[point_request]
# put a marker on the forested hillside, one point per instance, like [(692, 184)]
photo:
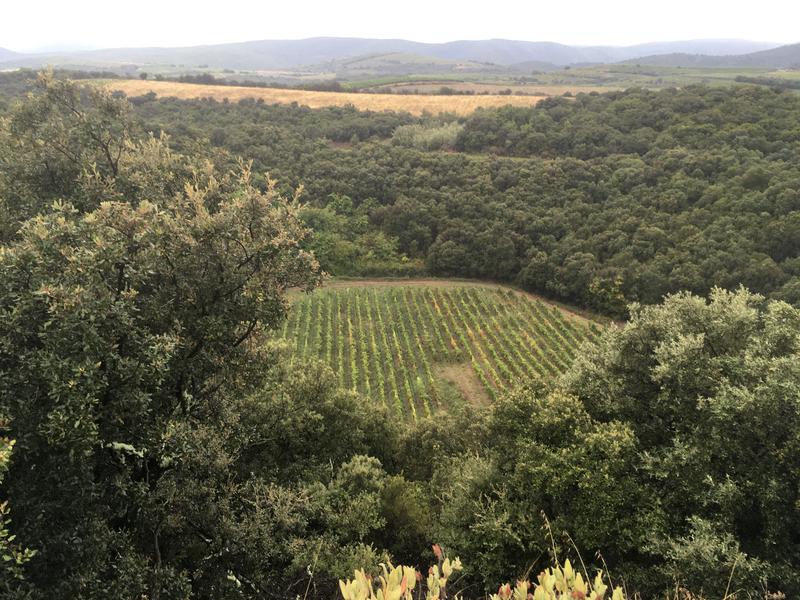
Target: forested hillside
[(168, 430), (783, 57), (597, 200)]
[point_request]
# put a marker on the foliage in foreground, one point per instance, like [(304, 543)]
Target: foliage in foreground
[(13, 557), (399, 583), (671, 447), (163, 449)]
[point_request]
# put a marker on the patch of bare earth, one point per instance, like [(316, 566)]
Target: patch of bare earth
[(463, 377)]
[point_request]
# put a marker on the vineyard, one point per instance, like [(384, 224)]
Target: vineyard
[(400, 343)]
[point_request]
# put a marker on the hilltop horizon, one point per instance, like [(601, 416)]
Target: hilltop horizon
[(66, 46), (322, 53)]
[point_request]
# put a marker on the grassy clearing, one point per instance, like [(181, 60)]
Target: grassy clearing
[(416, 104), (400, 344)]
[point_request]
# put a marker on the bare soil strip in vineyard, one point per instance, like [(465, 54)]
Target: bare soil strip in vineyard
[(402, 342), (415, 104), (464, 379)]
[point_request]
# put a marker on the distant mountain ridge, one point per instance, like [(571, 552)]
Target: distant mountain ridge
[(6, 54), (295, 54), (783, 57)]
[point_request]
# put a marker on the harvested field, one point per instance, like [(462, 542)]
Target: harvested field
[(413, 103)]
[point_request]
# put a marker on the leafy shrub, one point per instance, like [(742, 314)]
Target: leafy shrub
[(559, 583), (13, 557), (399, 583)]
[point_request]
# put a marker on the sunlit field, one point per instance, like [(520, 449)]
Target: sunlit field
[(416, 104)]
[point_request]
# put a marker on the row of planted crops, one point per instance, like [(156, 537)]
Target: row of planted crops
[(387, 342)]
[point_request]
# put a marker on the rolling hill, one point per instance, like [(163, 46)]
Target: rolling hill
[(6, 54), (783, 57), (293, 54)]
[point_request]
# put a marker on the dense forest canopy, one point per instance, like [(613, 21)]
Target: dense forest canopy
[(596, 200), (164, 447)]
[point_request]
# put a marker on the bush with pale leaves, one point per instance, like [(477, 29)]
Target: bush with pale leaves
[(559, 583), (398, 583)]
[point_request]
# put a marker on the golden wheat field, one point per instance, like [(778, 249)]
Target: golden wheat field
[(415, 104)]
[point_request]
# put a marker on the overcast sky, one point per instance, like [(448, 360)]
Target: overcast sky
[(31, 25)]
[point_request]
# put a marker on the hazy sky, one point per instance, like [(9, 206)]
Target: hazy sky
[(36, 24)]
